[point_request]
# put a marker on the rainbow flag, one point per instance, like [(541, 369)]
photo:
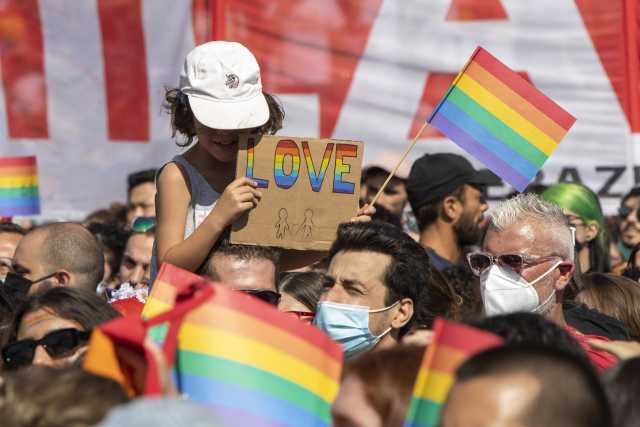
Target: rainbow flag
[(501, 119), (248, 361), (19, 186), (452, 344)]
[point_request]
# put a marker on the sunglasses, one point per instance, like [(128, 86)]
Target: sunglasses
[(142, 224), (270, 297), (57, 344), (480, 261), (624, 211)]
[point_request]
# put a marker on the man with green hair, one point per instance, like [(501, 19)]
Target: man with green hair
[(629, 227)]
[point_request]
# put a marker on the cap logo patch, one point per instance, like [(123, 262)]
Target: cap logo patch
[(232, 81)]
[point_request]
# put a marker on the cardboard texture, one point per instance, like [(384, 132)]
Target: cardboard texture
[(308, 186)]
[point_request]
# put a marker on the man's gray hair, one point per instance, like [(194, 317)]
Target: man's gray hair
[(528, 206)]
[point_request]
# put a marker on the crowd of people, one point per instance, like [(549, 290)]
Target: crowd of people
[(545, 270)]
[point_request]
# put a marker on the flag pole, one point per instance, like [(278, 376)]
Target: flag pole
[(404, 155)]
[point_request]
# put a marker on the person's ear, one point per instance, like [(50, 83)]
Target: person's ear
[(62, 277), (451, 209), (566, 272), (591, 231), (404, 313)]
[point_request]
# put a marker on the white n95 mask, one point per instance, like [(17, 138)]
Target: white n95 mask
[(505, 291)]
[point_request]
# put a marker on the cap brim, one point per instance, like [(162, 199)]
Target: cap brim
[(230, 115), (485, 177)]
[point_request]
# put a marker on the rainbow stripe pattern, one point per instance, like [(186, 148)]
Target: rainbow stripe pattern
[(452, 344), (501, 119), (19, 193), (251, 159), (317, 178), (246, 360), (286, 147), (341, 168)]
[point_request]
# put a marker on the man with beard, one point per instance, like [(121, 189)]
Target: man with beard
[(629, 225), (56, 254), (445, 193)]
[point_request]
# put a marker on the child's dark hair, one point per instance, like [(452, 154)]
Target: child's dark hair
[(176, 103)]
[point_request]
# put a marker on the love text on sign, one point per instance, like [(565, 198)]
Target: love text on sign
[(308, 186)]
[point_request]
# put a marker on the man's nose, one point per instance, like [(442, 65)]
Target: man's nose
[(41, 357), (137, 274)]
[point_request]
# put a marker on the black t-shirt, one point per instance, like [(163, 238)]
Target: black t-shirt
[(592, 322)]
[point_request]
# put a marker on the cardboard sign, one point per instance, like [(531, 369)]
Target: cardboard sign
[(308, 186)]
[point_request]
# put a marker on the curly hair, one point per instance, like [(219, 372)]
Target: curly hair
[(176, 103)]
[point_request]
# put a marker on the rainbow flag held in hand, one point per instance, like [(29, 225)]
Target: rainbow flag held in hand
[(19, 194), (246, 360), (452, 344), (501, 119)]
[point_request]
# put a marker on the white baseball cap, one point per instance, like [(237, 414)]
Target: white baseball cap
[(222, 81)]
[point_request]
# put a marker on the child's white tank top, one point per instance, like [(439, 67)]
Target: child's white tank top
[(203, 199)]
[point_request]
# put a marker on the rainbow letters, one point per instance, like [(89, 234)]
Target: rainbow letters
[(309, 186), (286, 177)]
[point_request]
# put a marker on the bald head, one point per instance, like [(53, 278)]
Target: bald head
[(65, 248), (526, 386)]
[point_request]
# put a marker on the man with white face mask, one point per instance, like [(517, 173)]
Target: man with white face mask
[(376, 276), (527, 261)]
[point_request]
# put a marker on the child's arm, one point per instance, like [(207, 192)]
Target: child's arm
[(173, 202)]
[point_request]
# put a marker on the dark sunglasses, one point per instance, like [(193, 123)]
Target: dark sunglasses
[(624, 211), (480, 261), (58, 344), (142, 224), (270, 297)]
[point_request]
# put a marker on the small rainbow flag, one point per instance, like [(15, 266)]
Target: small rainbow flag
[(248, 361), (19, 186), (501, 119), (452, 344)]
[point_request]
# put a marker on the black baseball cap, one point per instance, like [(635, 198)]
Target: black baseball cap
[(433, 176)]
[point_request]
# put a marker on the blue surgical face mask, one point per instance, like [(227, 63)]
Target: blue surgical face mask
[(348, 325)]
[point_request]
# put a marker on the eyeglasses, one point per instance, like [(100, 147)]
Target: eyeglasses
[(57, 344), (480, 261), (575, 221), (142, 224), (270, 297), (623, 212), (303, 316)]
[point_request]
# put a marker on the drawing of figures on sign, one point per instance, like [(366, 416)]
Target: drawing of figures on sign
[(282, 226), (307, 225)]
